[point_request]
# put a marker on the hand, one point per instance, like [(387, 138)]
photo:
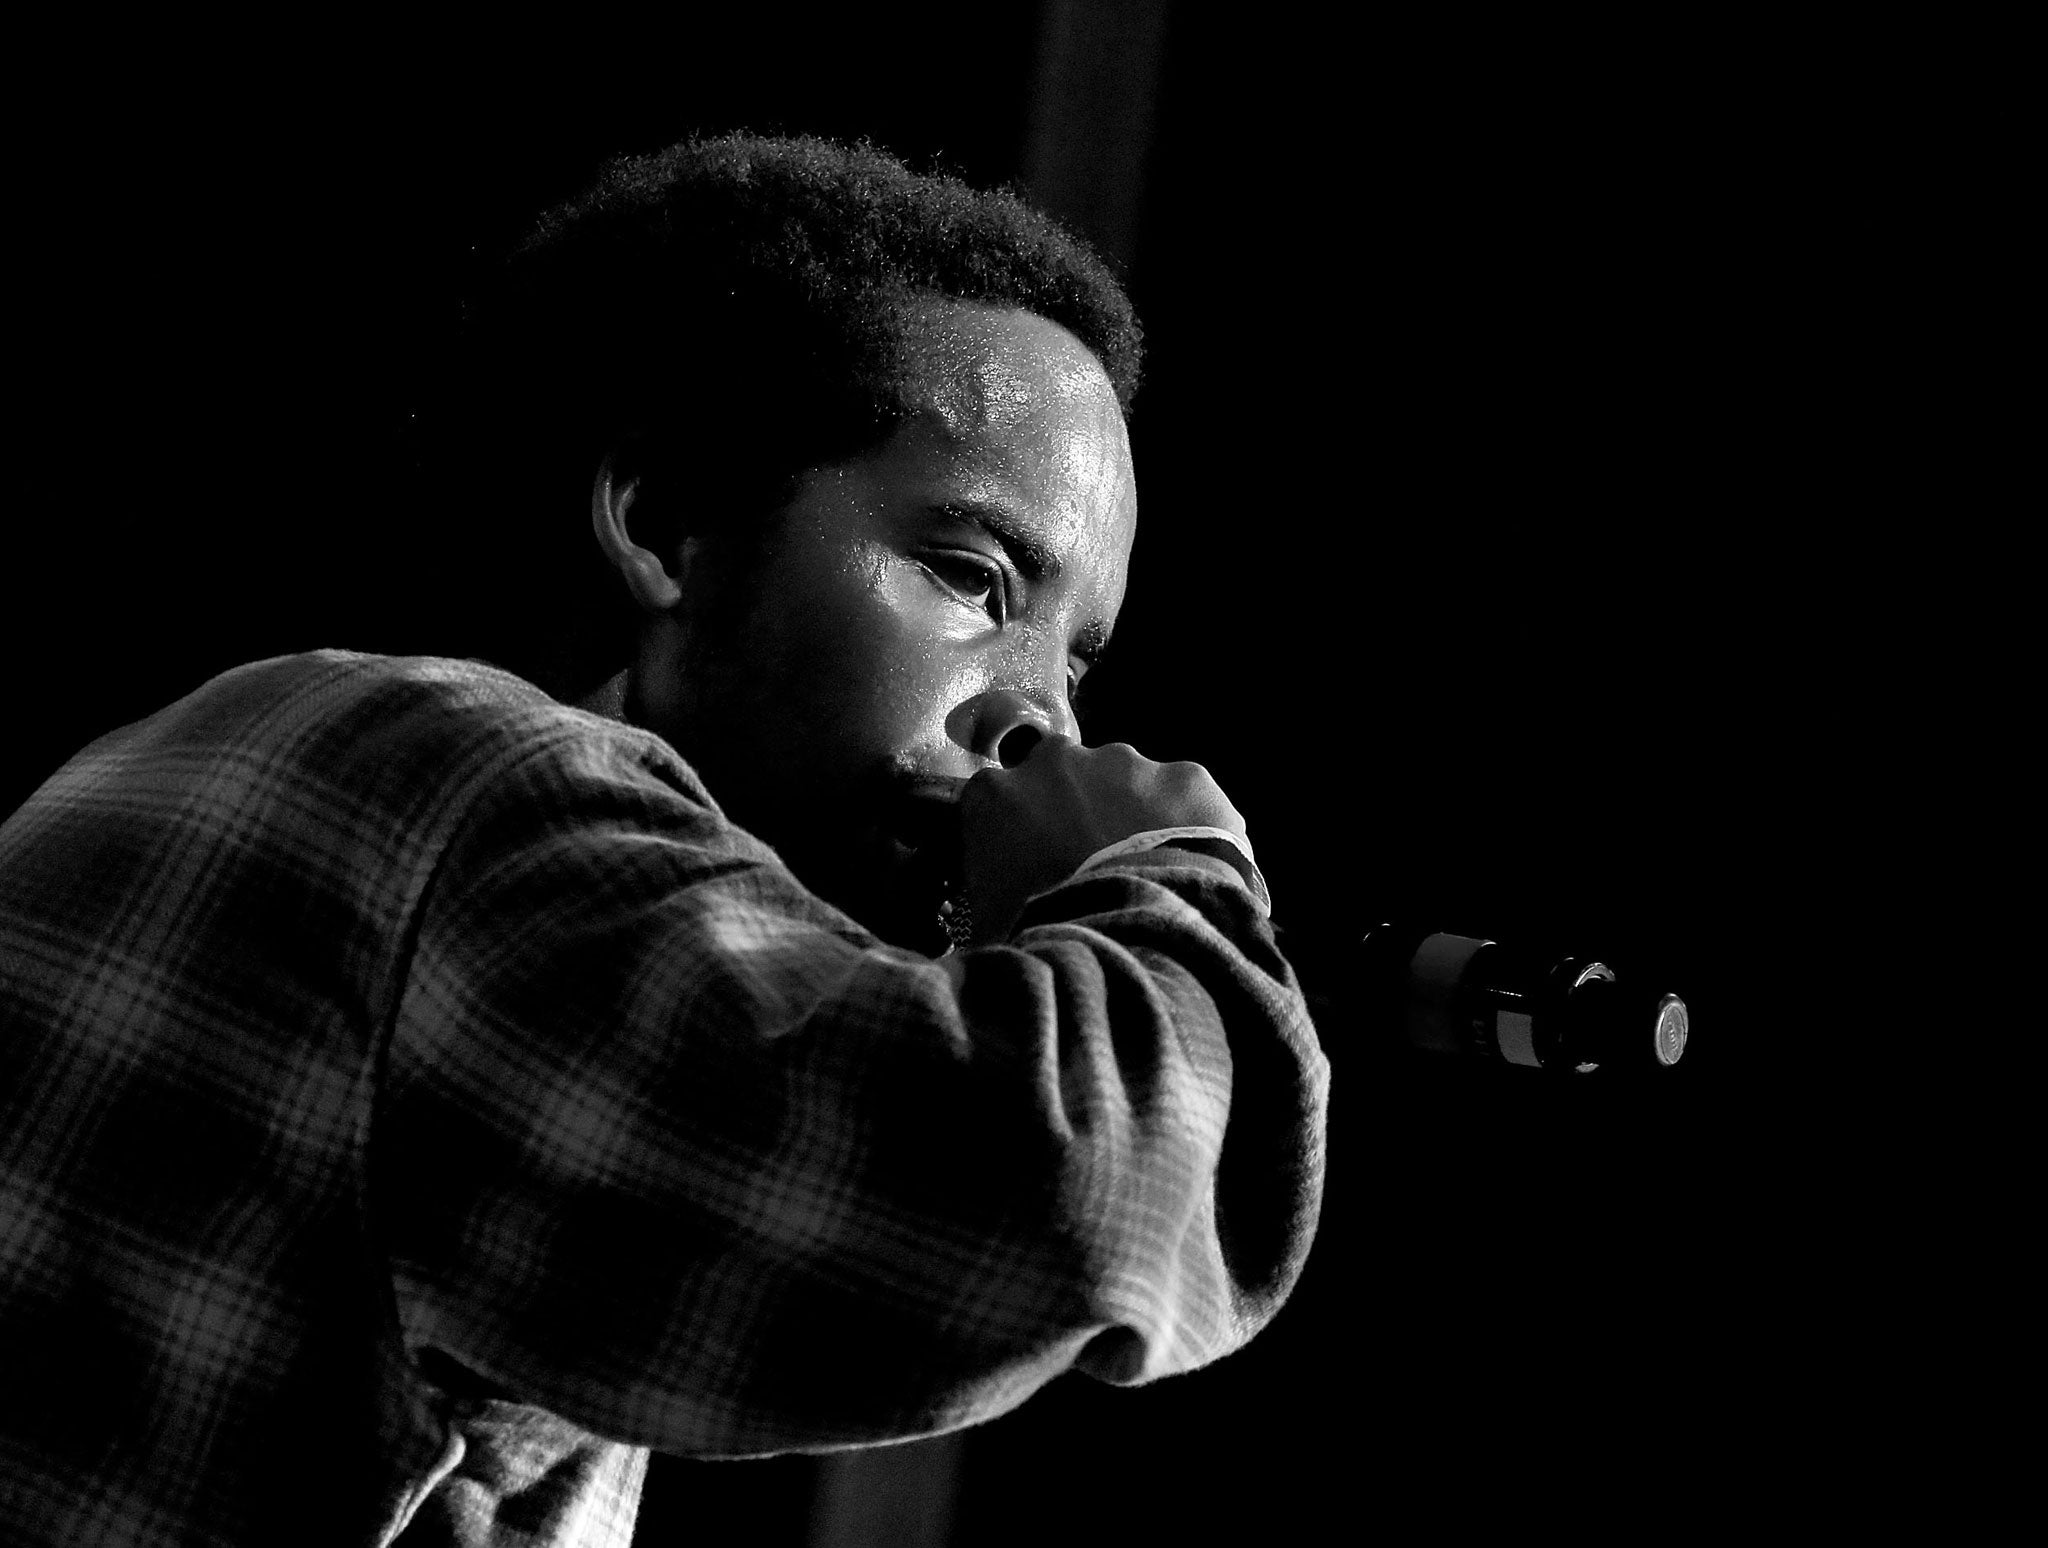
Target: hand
[(1026, 827)]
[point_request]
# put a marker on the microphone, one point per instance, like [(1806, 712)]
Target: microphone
[(1481, 999)]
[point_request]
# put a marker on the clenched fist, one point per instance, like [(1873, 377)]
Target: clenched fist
[(1026, 827)]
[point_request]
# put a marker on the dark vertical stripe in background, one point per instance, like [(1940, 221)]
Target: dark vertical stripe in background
[(1093, 110)]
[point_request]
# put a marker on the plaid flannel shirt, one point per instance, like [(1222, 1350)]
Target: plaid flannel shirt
[(416, 1100)]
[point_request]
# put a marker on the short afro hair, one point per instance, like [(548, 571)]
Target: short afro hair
[(737, 307)]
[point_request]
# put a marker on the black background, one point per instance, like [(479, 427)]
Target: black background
[(1494, 397)]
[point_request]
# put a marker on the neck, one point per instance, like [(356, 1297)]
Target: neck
[(608, 699)]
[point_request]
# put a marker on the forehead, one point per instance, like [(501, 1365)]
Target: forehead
[(985, 368), (1012, 407)]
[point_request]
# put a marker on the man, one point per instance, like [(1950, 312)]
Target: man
[(423, 1093)]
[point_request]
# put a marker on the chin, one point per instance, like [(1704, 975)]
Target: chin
[(896, 923), (909, 912), (929, 938), (893, 894)]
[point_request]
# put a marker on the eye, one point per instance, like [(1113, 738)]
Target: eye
[(973, 578)]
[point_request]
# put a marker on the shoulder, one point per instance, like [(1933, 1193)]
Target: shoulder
[(338, 736), (337, 709), (432, 728), (320, 686)]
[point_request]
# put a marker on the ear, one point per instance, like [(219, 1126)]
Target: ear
[(612, 495)]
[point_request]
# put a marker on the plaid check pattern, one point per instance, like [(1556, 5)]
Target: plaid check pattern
[(416, 1100)]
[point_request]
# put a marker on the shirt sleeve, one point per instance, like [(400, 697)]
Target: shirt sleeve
[(674, 1149), (1232, 848)]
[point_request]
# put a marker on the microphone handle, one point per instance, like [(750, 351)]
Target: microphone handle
[(1470, 997)]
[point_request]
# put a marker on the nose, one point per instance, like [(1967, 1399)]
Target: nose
[(1001, 725)]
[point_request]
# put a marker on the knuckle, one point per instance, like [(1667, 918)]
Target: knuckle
[(983, 788), (1059, 747)]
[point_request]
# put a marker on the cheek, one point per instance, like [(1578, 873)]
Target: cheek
[(881, 663)]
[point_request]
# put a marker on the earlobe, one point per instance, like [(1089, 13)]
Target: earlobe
[(646, 577)]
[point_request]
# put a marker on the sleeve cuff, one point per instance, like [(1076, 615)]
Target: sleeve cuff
[(1202, 838)]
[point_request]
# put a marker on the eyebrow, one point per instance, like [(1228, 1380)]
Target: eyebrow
[(1027, 551), (1034, 559)]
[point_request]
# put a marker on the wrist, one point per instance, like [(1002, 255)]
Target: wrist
[(1152, 838)]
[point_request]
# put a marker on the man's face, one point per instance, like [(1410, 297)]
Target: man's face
[(836, 678)]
